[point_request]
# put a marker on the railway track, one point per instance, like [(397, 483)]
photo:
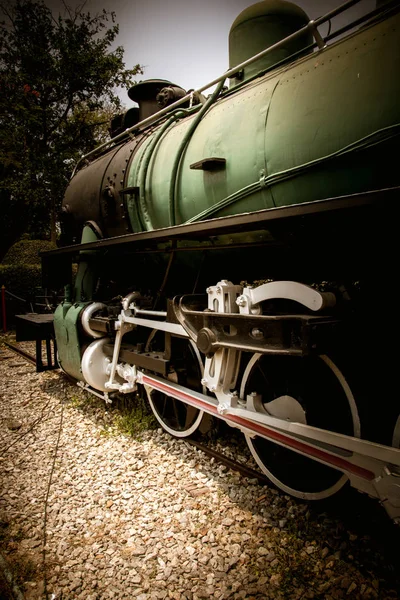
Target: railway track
[(348, 511), (218, 456), (29, 357), (230, 463), (349, 506)]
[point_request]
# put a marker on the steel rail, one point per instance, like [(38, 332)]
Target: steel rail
[(21, 352), (229, 462)]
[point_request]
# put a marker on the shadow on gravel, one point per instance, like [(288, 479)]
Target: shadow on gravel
[(354, 528), (5, 593), (358, 532), (377, 546)]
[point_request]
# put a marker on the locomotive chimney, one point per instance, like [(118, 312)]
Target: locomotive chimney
[(154, 94)]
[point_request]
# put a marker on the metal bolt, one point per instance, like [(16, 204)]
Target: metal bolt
[(257, 333), (204, 381), (241, 300)]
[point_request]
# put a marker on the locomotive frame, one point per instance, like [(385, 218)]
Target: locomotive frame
[(234, 351)]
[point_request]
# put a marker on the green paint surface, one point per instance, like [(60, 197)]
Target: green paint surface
[(66, 320), (344, 98)]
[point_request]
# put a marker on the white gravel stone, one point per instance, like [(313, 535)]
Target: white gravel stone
[(124, 519)]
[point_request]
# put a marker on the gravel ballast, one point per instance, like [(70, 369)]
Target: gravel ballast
[(90, 513)]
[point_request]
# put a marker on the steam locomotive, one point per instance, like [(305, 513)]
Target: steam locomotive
[(236, 252)]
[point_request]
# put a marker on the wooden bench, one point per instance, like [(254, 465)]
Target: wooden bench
[(34, 327)]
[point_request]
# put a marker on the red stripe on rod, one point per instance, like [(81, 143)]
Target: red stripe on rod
[(181, 395), (263, 430), (310, 450)]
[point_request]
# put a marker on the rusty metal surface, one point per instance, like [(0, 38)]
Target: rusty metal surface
[(21, 352), (232, 464)]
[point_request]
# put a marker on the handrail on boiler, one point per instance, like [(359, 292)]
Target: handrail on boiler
[(311, 26)]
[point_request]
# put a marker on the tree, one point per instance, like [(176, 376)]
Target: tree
[(58, 78)]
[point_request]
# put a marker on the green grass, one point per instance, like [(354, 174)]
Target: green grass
[(129, 414), (133, 415)]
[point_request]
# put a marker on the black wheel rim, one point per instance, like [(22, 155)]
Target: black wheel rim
[(175, 416), (319, 387)]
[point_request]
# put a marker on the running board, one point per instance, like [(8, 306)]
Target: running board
[(371, 468)]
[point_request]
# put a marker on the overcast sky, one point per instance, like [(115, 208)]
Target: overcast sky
[(185, 41)]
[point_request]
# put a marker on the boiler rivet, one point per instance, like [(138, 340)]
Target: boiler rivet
[(257, 333)]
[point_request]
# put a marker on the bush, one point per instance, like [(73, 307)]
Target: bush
[(26, 252), (20, 270), (22, 280)]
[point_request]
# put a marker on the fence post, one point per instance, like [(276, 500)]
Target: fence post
[(3, 307)]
